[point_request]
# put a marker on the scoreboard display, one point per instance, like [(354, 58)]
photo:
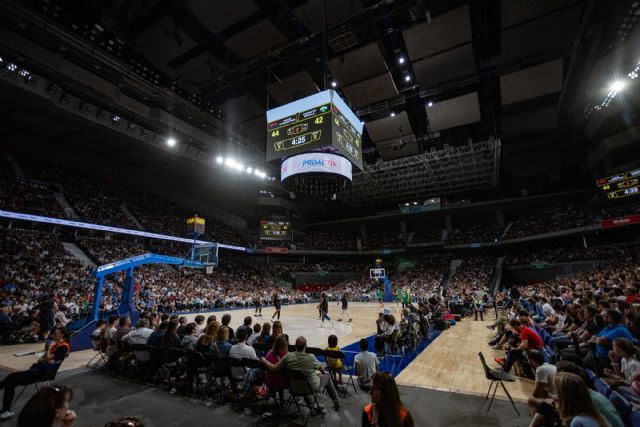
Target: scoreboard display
[(275, 230), (320, 122), (621, 186)]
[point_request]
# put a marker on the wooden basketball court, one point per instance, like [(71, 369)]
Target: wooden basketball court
[(449, 363)]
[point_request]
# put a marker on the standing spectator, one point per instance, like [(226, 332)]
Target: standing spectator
[(48, 407), (386, 408), (574, 403), (366, 364)]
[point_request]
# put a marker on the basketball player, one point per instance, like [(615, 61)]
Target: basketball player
[(257, 301), (277, 304), (324, 309), (345, 306), (380, 292)]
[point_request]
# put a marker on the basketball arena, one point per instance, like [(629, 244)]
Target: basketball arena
[(386, 213)]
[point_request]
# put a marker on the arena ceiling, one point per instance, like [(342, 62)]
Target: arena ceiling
[(419, 73)]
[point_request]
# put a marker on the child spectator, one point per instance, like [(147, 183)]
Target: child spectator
[(335, 365)]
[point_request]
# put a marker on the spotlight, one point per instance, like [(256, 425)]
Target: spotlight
[(407, 78), (249, 170), (617, 85), (415, 203), (219, 160), (401, 60), (430, 104), (334, 83), (256, 172), (393, 114), (171, 142), (406, 204), (115, 119)]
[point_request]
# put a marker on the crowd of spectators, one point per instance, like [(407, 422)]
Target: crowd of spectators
[(430, 235), (576, 337), (473, 273), (474, 233), (28, 197), (555, 218), (383, 239), (330, 241)]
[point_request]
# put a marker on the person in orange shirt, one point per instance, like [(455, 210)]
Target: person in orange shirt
[(386, 408)]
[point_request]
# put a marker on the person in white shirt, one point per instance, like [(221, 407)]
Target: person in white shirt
[(200, 325), (366, 364), (544, 387), (139, 335), (242, 351), (626, 367)]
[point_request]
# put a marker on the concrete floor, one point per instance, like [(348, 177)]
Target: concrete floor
[(100, 398)]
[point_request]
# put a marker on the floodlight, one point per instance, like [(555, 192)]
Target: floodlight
[(219, 160), (617, 85), (401, 60), (393, 114), (407, 78), (430, 104), (334, 83), (249, 170), (171, 142)]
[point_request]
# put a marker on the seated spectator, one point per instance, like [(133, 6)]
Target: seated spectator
[(139, 335), (223, 346), (335, 365), (599, 400), (124, 327), (170, 340), (44, 369), (277, 382), (61, 316), (529, 340), (226, 319), (599, 360), (241, 350), (155, 339), (97, 335), (127, 422), (246, 325), (110, 335), (574, 403), (182, 323), (255, 335), (626, 368), (308, 365), (386, 408), (265, 335), (207, 341), (276, 329), (543, 389), (189, 339), (200, 326), (48, 407), (366, 364)]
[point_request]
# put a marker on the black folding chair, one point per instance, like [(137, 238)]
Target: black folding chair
[(45, 380), (100, 359), (346, 369), (299, 387), (497, 377)]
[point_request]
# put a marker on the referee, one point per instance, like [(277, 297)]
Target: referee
[(345, 306)]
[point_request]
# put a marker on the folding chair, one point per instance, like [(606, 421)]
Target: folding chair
[(497, 377), (346, 369), (217, 373), (299, 386), (99, 359), (46, 380)]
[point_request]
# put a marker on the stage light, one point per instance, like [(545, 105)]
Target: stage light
[(406, 204), (229, 162), (334, 83), (256, 172), (415, 203), (617, 85), (171, 142), (249, 170), (393, 114), (407, 78), (401, 60), (219, 160), (430, 104)]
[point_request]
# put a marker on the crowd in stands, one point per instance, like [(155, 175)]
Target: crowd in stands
[(576, 338), (474, 233), (557, 255), (29, 197), (430, 235), (329, 241), (383, 239), (556, 218), (473, 273)]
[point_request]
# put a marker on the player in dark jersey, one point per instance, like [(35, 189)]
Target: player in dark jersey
[(257, 301), (345, 306), (277, 304)]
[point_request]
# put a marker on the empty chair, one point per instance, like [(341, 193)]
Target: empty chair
[(497, 378)]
